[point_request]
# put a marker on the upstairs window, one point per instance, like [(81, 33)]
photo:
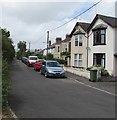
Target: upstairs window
[(79, 40), (99, 37)]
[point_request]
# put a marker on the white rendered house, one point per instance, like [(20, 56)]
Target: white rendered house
[(102, 43)]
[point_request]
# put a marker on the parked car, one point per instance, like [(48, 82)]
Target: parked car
[(24, 60), (38, 64), (52, 69), (32, 60)]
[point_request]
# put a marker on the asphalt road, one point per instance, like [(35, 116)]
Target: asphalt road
[(34, 96)]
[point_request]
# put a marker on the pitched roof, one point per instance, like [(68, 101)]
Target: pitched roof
[(84, 26), (52, 46), (112, 21), (66, 40)]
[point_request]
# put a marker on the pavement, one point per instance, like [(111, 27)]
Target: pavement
[(34, 96)]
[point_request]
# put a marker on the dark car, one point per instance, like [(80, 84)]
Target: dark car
[(52, 69), (24, 60)]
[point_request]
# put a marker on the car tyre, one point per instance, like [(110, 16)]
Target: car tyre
[(40, 72), (46, 75)]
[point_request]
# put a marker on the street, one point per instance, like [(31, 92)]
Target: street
[(34, 96)]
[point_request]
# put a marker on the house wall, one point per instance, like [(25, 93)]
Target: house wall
[(56, 53), (44, 52), (79, 49), (64, 45), (108, 48), (115, 49)]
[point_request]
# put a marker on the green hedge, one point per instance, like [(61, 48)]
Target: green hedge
[(61, 61), (5, 83)]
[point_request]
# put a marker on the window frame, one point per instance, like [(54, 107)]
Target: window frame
[(97, 57), (78, 41), (78, 60), (97, 40)]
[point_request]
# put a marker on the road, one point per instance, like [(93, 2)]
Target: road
[(34, 96)]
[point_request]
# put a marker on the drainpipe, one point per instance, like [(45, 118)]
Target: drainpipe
[(87, 50)]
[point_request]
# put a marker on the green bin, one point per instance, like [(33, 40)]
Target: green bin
[(93, 75)]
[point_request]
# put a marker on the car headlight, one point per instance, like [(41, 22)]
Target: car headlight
[(63, 71), (50, 71)]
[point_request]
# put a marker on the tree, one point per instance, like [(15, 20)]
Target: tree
[(8, 51), (22, 49)]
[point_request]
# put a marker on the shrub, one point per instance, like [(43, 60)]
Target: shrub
[(104, 72), (5, 83), (61, 61)]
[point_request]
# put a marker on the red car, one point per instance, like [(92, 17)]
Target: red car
[(37, 65)]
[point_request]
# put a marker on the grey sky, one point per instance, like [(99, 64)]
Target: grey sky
[(29, 21)]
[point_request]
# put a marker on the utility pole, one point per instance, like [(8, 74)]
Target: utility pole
[(29, 49), (47, 43)]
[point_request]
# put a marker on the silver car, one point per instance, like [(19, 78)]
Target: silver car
[(52, 69)]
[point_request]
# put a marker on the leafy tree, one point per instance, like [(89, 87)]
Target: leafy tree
[(50, 56), (8, 51), (22, 49)]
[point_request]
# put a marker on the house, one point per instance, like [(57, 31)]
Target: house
[(102, 43), (51, 48), (62, 48), (79, 45), (65, 51), (58, 48)]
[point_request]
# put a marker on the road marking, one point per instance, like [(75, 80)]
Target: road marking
[(92, 87)]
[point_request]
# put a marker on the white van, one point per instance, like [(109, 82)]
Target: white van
[(32, 60)]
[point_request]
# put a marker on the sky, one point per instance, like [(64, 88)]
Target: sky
[(29, 20)]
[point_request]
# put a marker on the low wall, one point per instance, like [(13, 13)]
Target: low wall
[(80, 72)]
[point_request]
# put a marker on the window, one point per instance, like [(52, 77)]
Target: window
[(78, 60), (99, 37), (79, 40), (99, 59)]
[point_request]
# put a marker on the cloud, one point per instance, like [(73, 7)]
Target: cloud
[(30, 21)]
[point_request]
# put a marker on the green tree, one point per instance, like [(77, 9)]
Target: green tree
[(22, 49), (50, 56), (8, 51)]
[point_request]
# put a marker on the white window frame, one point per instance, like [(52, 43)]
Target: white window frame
[(78, 40), (78, 62)]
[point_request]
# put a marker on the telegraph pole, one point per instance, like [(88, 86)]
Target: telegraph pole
[(47, 43), (29, 49)]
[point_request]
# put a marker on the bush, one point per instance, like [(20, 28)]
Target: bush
[(104, 72), (89, 68), (5, 83), (61, 61)]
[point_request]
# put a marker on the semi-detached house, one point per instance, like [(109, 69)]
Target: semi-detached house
[(79, 45), (103, 43)]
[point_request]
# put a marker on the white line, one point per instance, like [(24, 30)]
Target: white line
[(93, 87)]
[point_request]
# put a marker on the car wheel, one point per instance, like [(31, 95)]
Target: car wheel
[(40, 72), (46, 75)]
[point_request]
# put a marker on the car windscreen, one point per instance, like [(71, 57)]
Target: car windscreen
[(33, 58), (53, 64)]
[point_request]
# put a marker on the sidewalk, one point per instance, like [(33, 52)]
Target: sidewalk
[(86, 74)]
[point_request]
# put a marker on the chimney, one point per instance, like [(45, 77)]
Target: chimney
[(67, 36), (50, 43), (58, 40)]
